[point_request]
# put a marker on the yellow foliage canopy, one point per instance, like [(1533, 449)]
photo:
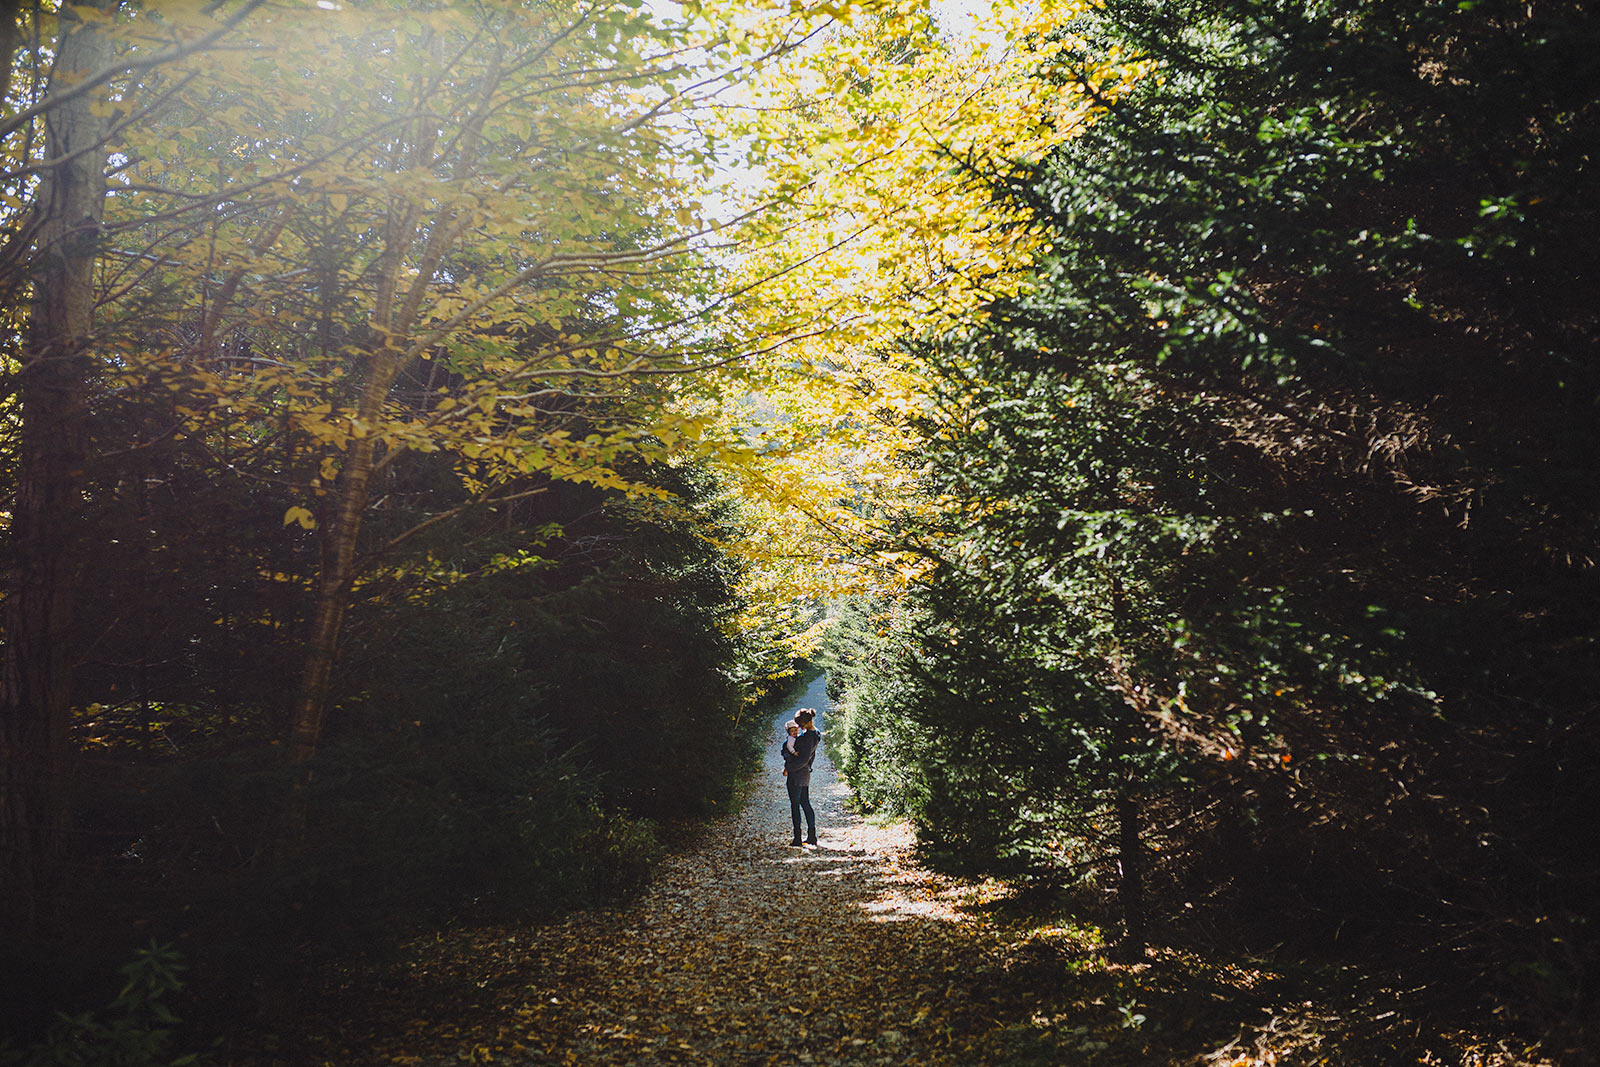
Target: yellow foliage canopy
[(873, 225)]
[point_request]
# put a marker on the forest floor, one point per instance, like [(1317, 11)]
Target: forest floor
[(747, 951)]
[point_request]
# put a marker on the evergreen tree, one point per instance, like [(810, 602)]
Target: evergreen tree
[(1278, 489)]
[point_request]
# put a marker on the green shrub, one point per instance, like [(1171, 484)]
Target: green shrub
[(135, 1030), (880, 751)]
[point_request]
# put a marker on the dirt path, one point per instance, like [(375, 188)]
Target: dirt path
[(749, 951), (746, 951)]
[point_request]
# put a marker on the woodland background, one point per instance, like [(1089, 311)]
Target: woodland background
[(1171, 423)]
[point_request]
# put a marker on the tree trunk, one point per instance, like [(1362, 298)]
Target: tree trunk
[(334, 580), (1130, 854), (43, 570), (1130, 866), (337, 572), (10, 37)]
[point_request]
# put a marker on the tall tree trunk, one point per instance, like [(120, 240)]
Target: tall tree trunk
[(334, 579), (1130, 847), (10, 37), (43, 569), (1130, 866), (341, 534), (337, 571)]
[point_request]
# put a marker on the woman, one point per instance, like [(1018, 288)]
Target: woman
[(798, 755)]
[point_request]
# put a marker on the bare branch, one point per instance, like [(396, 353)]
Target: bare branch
[(460, 509)]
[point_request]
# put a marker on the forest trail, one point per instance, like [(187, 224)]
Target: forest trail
[(744, 951), (747, 952), (750, 951)]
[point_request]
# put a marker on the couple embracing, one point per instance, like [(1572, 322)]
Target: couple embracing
[(799, 752)]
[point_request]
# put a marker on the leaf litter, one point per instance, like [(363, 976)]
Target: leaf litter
[(748, 952)]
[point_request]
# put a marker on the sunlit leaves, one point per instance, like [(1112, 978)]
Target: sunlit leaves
[(869, 146), (474, 194)]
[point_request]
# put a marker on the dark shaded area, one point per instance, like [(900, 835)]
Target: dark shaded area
[(531, 696)]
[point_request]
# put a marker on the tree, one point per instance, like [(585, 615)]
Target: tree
[(1266, 488), (55, 152), (868, 144), (455, 234), (474, 239), (51, 390)]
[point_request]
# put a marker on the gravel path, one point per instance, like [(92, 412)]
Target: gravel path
[(748, 951)]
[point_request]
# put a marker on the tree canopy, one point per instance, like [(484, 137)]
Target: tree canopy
[(1170, 421), (1263, 513)]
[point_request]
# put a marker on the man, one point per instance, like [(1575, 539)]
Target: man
[(797, 774)]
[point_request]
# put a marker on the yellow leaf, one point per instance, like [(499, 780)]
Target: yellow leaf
[(302, 516)]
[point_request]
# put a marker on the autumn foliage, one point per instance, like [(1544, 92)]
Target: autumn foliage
[(430, 431)]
